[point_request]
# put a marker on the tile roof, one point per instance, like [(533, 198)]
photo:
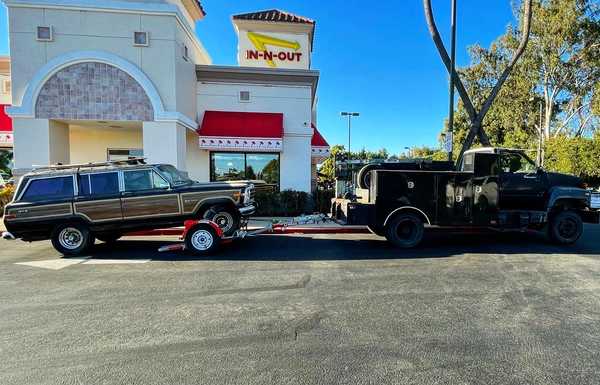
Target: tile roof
[(275, 15)]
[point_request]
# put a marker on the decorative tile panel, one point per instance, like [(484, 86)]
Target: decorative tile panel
[(93, 91)]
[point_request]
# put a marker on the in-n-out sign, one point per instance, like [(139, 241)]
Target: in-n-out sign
[(273, 51)]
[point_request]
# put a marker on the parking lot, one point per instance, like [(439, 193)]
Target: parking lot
[(304, 309)]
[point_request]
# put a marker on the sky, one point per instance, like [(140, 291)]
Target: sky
[(374, 57)]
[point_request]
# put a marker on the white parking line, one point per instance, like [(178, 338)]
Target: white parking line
[(61, 263), (53, 264)]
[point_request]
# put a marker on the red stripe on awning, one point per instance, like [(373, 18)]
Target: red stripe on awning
[(241, 124), (317, 139), (5, 120)]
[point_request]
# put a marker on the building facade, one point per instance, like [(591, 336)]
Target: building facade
[(96, 81)]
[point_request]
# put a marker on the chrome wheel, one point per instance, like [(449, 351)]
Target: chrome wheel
[(202, 239), (224, 220), (70, 238)]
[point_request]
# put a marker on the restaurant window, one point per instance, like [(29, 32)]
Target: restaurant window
[(226, 166), (123, 153)]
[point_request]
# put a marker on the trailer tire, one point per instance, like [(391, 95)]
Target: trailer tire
[(405, 230), (565, 228), (202, 239)]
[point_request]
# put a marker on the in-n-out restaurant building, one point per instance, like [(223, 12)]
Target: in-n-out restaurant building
[(96, 80)]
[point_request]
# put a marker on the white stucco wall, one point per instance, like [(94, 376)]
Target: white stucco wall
[(295, 102), (44, 142), (90, 144)]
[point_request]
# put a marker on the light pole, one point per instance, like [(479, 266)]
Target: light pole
[(349, 115), (407, 151), (450, 132)]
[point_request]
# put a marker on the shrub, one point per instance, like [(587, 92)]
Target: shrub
[(291, 203), (6, 195)]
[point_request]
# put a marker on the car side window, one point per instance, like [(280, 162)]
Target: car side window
[(105, 183), (48, 189), (515, 163), (139, 180)]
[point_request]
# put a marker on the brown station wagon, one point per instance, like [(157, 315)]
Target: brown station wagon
[(75, 204)]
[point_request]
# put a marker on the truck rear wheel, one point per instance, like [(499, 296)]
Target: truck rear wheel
[(565, 228), (405, 230)]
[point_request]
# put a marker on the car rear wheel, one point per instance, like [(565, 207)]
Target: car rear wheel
[(565, 228), (228, 219), (405, 230), (202, 239), (72, 239)]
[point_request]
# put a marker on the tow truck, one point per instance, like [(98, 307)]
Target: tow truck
[(493, 188)]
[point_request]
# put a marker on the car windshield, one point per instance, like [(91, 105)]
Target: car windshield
[(173, 175)]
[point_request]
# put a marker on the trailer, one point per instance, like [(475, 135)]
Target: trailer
[(204, 236)]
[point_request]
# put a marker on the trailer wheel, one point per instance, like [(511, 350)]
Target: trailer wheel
[(405, 230), (202, 239), (565, 228)]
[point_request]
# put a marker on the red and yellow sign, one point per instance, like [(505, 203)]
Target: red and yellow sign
[(261, 42)]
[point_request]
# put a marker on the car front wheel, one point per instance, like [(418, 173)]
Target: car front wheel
[(72, 239), (228, 219)]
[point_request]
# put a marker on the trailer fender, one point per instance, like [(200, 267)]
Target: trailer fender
[(572, 194), (410, 209), (189, 224)]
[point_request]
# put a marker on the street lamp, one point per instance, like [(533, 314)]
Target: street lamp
[(349, 115), (407, 151)]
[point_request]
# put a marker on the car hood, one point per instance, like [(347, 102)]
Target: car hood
[(564, 180)]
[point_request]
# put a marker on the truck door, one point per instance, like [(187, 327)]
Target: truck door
[(522, 186)]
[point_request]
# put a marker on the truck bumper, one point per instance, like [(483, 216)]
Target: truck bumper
[(246, 211)]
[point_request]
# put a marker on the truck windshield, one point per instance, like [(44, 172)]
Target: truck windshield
[(515, 162), (173, 175)]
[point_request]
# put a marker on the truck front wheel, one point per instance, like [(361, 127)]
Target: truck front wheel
[(565, 228), (405, 230)]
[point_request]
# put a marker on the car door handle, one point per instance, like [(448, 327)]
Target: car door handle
[(530, 176)]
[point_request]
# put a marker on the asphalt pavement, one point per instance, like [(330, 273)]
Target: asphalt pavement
[(304, 309)]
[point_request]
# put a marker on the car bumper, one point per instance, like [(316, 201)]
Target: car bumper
[(247, 210)]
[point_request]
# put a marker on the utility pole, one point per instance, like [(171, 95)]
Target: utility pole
[(349, 115), (450, 132)]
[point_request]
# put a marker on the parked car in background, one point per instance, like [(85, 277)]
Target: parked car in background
[(75, 204)]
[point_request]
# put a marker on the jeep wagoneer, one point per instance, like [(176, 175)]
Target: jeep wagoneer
[(73, 205)]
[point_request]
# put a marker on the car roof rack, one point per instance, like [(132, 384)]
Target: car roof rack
[(130, 161)]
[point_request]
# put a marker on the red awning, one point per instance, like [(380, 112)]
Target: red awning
[(257, 131), (6, 130), (319, 146), (317, 138)]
